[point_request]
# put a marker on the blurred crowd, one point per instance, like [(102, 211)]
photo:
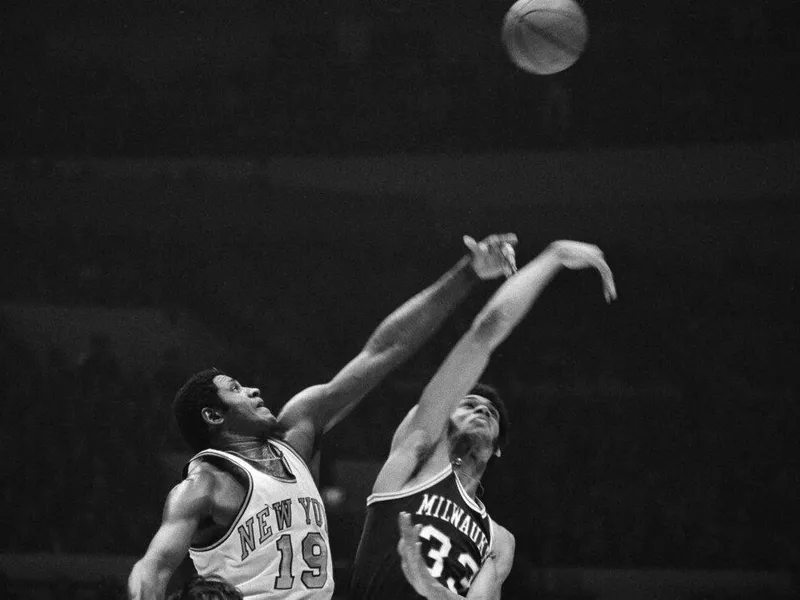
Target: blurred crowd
[(397, 77), (654, 434), (659, 432)]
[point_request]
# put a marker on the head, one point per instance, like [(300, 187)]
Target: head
[(483, 401), (207, 588), (211, 405)]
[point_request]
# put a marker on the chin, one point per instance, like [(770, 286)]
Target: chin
[(274, 429), (482, 430)]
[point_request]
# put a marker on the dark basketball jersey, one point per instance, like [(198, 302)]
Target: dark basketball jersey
[(456, 538)]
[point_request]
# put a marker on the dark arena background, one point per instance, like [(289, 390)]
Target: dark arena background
[(256, 184)]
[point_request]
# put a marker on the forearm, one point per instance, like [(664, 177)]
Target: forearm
[(394, 341), (147, 582), (415, 321), (442, 593), (512, 301)]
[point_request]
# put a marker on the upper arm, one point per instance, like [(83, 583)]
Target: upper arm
[(316, 409), (417, 437), (458, 373), (488, 583), (187, 504)]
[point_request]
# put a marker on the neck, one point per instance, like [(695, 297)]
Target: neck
[(468, 465), (249, 447)]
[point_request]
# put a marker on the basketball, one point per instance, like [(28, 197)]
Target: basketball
[(545, 36)]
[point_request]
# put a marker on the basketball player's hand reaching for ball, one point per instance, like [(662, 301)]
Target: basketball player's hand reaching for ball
[(577, 255), (493, 256)]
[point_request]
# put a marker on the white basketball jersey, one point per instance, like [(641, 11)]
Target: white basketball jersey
[(277, 547)]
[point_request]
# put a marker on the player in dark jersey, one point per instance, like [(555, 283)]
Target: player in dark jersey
[(450, 547)]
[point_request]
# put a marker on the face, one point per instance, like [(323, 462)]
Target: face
[(477, 416), (246, 413)]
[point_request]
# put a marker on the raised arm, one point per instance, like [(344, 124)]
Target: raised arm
[(426, 424), (318, 408), (186, 505)]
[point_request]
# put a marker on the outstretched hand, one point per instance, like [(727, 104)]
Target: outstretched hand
[(493, 256), (577, 255), (411, 561)]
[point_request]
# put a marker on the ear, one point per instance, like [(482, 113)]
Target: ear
[(498, 453), (212, 416)]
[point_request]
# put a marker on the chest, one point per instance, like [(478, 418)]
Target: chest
[(455, 540), (267, 499), (270, 517), (271, 503), (451, 525)]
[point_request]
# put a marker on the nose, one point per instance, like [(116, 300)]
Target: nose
[(484, 411), (255, 392)]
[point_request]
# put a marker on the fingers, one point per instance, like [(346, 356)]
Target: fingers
[(492, 240), (410, 550), (509, 259), (408, 533), (609, 287), (599, 263), (502, 238), (477, 248), (409, 545), (498, 249)]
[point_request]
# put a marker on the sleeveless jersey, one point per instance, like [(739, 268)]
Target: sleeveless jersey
[(456, 538), (277, 547)]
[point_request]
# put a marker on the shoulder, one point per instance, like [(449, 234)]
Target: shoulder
[(195, 493), (299, 420), (503, 535), (412, 462), (504, 546), (206, 473), (205, 467)]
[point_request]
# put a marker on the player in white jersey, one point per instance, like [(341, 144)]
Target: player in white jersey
[(278, 540), (248, 510)]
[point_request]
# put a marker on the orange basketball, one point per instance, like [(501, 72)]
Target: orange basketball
[(545, 36)]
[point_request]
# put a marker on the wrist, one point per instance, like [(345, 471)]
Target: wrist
[(553, 254), (438, 593), (466, 267)]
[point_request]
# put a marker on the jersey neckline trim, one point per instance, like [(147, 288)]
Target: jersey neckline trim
[(237, 457), (383, 496), (476, 505), (287, 446)]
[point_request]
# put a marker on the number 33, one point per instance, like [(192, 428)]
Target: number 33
[(429, 532)]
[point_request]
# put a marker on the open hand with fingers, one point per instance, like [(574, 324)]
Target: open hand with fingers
[(578, 255), (411, 561), (494, 255)]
